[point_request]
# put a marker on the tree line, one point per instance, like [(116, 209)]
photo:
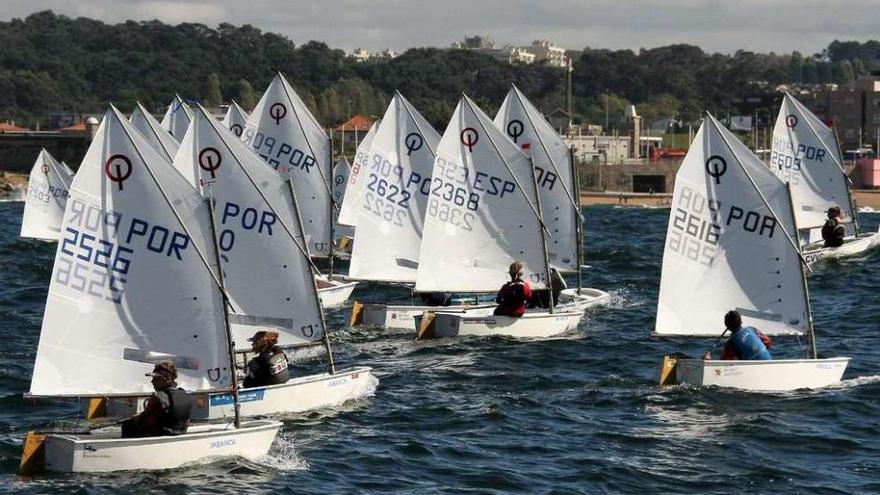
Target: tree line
[(52, 63)]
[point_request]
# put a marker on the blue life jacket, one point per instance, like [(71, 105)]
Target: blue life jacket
[(748, 345)]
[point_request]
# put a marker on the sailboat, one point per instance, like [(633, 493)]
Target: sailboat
[(342, 234), (48, 186), (353, 199), (283, 131), (142, 120), (731, 244), (133, 285), (177, 118), (483, 212), (260, 239), (235, 118), (807, 156), (556, 176)]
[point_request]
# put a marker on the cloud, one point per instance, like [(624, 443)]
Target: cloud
[(715, 25)]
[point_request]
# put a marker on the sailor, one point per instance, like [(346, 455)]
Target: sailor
[(833, 231), (541, 298), (166, 412), (269, 367), (513, 295), (746, 343)]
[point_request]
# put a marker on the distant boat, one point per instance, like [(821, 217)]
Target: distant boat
[(806, 156), (48, 188), (153, 132), (236, 118), (132, 272), (731, 244), (342, 234), (177, 118)]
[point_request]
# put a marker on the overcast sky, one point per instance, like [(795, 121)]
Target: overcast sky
[(715, 25)]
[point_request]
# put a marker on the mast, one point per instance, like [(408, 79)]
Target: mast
[(543, 237), (811, 333), (852, 202), (230, 344), (324, 336), (332, 201), (576, 179)]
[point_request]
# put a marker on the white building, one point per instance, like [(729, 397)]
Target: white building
[(545, 50), (360, 54)]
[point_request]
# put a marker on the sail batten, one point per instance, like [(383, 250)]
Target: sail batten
[(726, 244)]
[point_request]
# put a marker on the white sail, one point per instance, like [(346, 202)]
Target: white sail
[(268, 279), (805, 154), (480, 214), (177, 118), (528, 128), (236, 118), (353, 201), (341, 172), (48, 188), (130, 285), (67, 170), (396, 183), (286, 135), (153, 132), (725, 249)]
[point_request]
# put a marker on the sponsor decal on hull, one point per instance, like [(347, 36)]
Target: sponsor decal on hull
[(243, 396)]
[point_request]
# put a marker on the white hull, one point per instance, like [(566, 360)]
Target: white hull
[(103, 452), (537, 324), (570, 300), (772, 375), (299, 394), (403, 317), (851, 247), (336, 294)]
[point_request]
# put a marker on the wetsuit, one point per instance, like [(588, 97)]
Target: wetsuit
[(512, 298), (267, 368), (833, 233), (166, 412)]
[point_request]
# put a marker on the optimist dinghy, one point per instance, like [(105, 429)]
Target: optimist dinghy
[(260, 238), (48, 186), (483, 212), (731, 243), (177, 118), (153, 132), (235, 118), (806, 155), (133, 285), (285, 134)]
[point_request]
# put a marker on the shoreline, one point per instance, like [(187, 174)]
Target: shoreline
[(863, 197)]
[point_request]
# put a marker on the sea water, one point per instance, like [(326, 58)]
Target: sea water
[(581, 413)]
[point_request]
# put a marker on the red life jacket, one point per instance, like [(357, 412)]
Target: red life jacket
[(512, 298)]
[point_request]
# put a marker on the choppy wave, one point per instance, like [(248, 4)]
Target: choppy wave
[(580, 414)]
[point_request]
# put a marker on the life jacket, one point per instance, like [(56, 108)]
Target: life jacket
[(833, 233), (268, 368), (748, 345), (512, 298), (175, 420)]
